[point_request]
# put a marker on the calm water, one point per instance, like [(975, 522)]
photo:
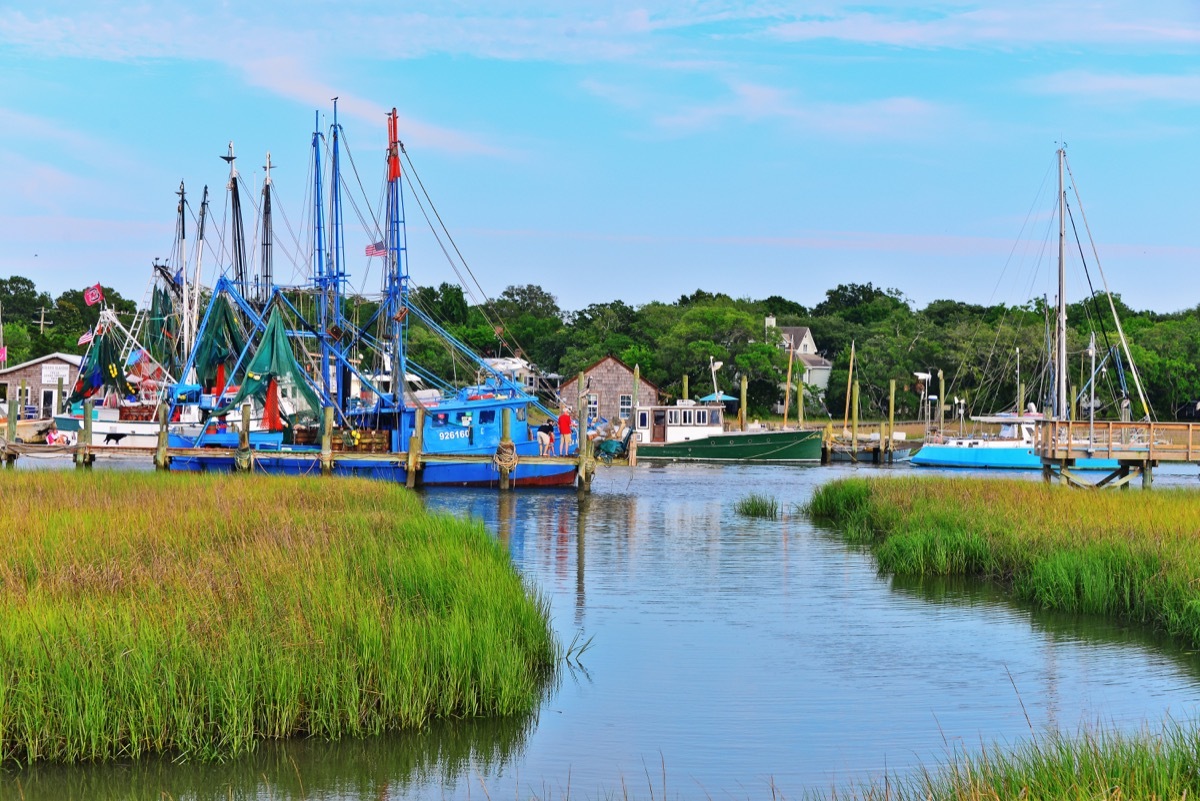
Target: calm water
[(731, 655)]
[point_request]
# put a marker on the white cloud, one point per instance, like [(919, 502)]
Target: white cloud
[(1112, 87)]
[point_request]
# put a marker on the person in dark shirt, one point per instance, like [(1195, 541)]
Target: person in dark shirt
[(545, 434)]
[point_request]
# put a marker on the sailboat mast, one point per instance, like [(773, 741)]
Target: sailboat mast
[(239, 233), (1061, 401)]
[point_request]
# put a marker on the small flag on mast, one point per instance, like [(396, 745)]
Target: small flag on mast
[(86, 337), (3, 353), (93, 295), (377, 249)]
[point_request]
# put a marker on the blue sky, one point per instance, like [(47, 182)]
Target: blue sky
[(620, 149)]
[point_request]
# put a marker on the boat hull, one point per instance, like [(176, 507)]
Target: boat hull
[(432, 474), (760, 447), (1017, 457)]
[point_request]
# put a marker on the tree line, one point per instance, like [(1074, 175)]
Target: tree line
[(978, 348)]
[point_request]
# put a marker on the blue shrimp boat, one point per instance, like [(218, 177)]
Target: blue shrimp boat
[(303, 355)]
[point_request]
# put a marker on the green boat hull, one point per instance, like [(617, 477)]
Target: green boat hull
[(759, 447)]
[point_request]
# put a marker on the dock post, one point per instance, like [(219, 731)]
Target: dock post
[(415, 444), (1147, 475), (1020, 399), (684, 394), (243, 462), (941, 403), (891, 432), (854, 422), (10, 456), (631, 453), (1074, 403), (83, 451), (827, 444), (58, 404), (161, 460), (505, 444), (742, 410), (327, 441), (580, 415)]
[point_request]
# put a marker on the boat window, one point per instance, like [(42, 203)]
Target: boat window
[(702, 417), (716, 417), (672, 417), (521, 414), (688, 417), (487, 416), (439, 420), (643, 420), (625, 406)]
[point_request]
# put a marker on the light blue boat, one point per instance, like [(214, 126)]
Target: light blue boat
[(1011, 449)]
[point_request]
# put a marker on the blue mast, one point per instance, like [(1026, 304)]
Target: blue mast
[(397, 277), (336, 272), (319, 255)]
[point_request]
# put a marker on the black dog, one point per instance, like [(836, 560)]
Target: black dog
[(114, 439)]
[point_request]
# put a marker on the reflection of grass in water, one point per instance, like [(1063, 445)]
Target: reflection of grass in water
[(393, 765), (143, 613), (756, 505)]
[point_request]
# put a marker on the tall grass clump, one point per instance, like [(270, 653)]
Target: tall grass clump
[(755, 505), (1057, 767), (145, 613), (1126, 554)]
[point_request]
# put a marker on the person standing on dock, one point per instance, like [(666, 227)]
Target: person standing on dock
[(545, 435), (564, 431)]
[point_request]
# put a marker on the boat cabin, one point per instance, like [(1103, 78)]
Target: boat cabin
[(686, 420)]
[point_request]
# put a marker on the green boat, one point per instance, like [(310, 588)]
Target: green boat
[(688, 432)]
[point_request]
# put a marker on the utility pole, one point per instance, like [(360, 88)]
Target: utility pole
[(42, 320)]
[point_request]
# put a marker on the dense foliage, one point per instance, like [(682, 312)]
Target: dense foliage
[(975, 346)]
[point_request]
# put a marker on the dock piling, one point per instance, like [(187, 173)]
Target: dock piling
[(505, 445), (10, 455), (415, 444), (327, 441), (161, 460), (83, 453)]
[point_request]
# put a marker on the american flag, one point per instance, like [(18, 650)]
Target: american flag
[(377, 249), (86, 337)]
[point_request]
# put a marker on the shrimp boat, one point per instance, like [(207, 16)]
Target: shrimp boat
[(309, 353)]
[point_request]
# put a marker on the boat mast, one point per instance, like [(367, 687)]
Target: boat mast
[(319, 256), (185, 312), (239, 233), (336, 272), (191, 323), (397, 281), (1061, 401), (266, 277)]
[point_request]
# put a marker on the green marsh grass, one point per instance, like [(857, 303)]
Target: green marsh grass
[(145, 613), (755, 505)]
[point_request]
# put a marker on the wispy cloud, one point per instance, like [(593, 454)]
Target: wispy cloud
[(894, 117), (1118, 88), (1005, 26)]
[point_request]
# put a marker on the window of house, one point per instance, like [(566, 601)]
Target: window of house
[(593, 405), (672, 417), (3, 392), (689, 418), (643, 420), (625, 407), (804, 348), (702, 417)]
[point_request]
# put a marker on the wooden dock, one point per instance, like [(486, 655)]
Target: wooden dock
[(1136, 447)]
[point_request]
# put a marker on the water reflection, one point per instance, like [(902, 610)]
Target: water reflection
[(448, 755)]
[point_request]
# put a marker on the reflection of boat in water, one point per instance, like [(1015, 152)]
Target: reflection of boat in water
[(691, 432)]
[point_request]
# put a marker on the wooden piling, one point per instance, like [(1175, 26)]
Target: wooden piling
[(854, 418), (10, 456), (742, 411), (59, 402), (161, 460), (505, 444), (1074, 403), (415, 445), (631, 453), (891, 443), (941, 410), (327, 441), (684, 394), (83, 453)]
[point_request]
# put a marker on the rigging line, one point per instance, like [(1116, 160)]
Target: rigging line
[(1137, 379), (1098, 319)]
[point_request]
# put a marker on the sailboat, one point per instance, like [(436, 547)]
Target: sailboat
[(306, 356), (1012, 448)]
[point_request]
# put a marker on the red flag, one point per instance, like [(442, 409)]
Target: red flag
[(93, 295)]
